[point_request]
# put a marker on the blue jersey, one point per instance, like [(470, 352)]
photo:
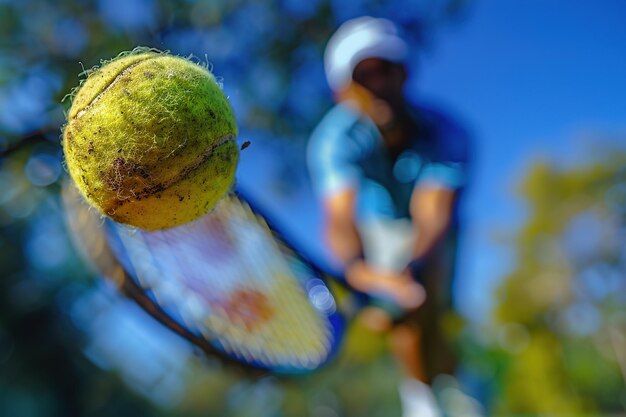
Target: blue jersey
[(346, 150)]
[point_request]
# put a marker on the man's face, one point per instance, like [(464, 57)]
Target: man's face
[(384, 79)]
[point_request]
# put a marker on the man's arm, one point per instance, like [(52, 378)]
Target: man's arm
[(341, 231), (345, 242), (432, 207)]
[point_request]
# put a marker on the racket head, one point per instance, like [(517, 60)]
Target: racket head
[(232, 285)]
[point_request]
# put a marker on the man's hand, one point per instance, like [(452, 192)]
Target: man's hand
[(401, 288)]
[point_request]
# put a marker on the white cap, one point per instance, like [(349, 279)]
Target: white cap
[(359, 39)]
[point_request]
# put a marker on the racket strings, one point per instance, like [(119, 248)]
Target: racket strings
[(300, 330), (229, 278)]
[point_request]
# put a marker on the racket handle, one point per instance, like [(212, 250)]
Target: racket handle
[(416, 269)]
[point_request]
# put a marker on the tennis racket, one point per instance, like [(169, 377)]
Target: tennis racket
[(229, 282)]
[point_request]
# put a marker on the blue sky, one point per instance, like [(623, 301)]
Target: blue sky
[(531, 79), (534, 79)]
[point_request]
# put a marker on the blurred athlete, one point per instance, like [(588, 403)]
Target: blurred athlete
[(390, 173)]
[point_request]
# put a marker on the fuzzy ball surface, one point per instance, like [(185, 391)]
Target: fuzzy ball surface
[(149, 140)]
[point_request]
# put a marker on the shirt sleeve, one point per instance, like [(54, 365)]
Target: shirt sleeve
[(447, 165), (446, 174), (332, 155)]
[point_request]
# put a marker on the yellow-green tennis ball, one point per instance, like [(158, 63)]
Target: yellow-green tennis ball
[(149, 140)]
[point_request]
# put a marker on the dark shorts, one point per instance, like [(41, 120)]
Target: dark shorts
[(436, 319)]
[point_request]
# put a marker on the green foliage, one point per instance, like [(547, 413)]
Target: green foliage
[(561, 308)]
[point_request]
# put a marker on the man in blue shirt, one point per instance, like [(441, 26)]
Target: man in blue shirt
[(390, 174)]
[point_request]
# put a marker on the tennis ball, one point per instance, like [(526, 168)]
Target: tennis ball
[(149, 140)]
